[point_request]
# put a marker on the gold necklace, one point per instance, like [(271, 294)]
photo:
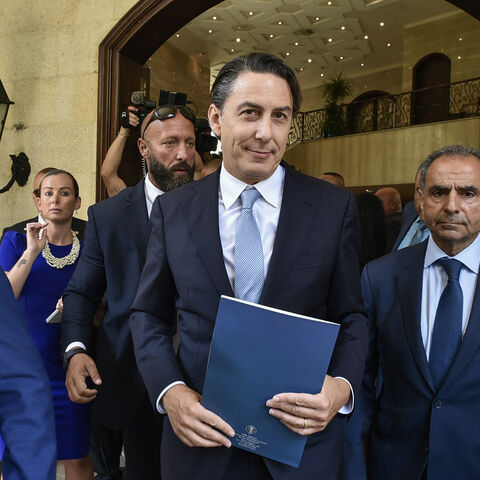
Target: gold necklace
[(62, 261)]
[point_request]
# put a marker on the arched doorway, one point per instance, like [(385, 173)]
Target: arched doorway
[(431, 89), (366, 113), (122, 54)]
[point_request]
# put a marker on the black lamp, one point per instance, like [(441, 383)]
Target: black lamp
[(20, 164)]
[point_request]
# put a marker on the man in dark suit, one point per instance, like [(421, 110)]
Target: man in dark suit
[(308, 230), (413, 229), (111, 261), (26, 412), (78, 225), (424, 306)]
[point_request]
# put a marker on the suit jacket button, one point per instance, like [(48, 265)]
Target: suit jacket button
[(437, 403)]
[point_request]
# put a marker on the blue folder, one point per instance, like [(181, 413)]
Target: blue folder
[(257, 352)]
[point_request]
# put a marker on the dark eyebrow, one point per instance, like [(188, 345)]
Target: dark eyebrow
[(259, 107), (468, 188)]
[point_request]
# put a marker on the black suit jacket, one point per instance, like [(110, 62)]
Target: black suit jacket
[(111, 260), (314, 270), (78, 225)]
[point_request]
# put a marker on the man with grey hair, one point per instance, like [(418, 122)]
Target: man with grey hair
[(422, 384), (303, 257)]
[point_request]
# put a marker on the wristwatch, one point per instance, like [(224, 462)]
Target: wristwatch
[(68, 355)]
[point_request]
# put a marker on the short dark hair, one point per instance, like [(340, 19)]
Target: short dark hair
[(450, 151), (256, 63), (334, 174), (51, 173)]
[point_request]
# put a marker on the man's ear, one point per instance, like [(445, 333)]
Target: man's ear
[(214, 117), (143, 148)]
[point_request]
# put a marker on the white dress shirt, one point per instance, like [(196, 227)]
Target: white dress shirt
[(151, 193), (266, 212), (435, 280)]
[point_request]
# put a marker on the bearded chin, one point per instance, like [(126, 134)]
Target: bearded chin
[(167, 180)]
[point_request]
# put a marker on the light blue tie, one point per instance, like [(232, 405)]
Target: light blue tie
[(249, 270)]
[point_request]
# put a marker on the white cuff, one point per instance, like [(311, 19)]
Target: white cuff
[(348, 407), (75, 344), (163, 392)]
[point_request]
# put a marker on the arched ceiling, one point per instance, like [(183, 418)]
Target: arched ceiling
[(316, 37)]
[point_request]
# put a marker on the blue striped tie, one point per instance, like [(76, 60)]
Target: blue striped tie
[(249, 270), (447, 330)]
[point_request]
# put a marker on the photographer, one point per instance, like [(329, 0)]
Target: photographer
[(109, 172)]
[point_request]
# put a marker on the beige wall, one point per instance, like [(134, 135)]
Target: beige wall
[(442, 36), (48, 66), (170, 69), (386, 157)]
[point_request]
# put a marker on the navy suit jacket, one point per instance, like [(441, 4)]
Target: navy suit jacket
[(26, 412), (314, 270), (112, 259), (411, 421), (409, 216)]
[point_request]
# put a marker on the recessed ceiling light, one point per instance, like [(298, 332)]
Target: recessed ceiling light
[(459, 57), (238, 40), (382, 24), (341, 58), (250, 13), (389, 44), (271, 35), (330, 40), (210, 31), (232, 49), (177, 35), (296, 44), (321, 74), (460, 39), (309, 60), (317, 18), (329, 3), (343, 27), (301, 68), (366, 37), (279, 22), (287, 54), (362, 64)]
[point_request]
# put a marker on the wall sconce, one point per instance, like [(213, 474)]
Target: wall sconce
[(20, 164)]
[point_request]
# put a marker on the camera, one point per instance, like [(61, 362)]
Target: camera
[(204, 142), (144, 108), (166, 97)]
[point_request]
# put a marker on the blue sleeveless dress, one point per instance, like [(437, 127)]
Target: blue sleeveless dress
[(42, 289)]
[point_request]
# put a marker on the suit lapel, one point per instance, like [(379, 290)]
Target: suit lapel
[(201, 211), (410, 295), (471, 341), (136, 217), (296, 214)]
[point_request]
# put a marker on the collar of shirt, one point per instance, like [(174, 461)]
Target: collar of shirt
[(151, 193), (468, 256), (270, 189)]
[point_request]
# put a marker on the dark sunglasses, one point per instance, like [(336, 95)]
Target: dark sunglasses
[(169, 111)]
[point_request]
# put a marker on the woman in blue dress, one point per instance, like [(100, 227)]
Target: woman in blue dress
[(39, 265)]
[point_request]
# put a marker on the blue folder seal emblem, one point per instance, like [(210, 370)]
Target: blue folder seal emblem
[(251, 429)]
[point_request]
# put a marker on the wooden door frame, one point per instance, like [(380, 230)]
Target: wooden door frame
[(137, 35)]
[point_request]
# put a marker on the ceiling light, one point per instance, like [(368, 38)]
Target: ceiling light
[(232, 49), (177, 35), (287, 54), (279, 22), (309, 60), (330, 40), (382, 24), (214, 17), (343, 27), (329, 3), (362, 64), (210, 31), (296, 44), (389, 44), (341, 58), (317, 18), (321, 74), (301, 68), (460, 39), (366, 37), (238, 40), (459, 57), (271, 35), (250, 13)]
